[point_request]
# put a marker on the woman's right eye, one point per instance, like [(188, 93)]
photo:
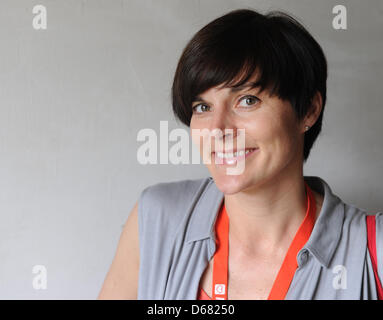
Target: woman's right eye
[(201, 107)]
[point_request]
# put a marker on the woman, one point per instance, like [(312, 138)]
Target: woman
[(269, 232)]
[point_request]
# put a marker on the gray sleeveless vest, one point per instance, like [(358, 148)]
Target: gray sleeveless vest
[(177, 240)]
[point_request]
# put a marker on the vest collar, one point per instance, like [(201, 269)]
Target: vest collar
[(324, 238), (205, 212)]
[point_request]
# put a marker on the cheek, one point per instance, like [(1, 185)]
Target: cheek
[(195, 132), (272, 132), (263, 128), (200, 138)]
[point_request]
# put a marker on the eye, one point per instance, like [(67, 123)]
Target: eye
[(249, 100), (202, 107)]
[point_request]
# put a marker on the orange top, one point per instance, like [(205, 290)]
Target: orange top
[(286, 273), (202, 295)]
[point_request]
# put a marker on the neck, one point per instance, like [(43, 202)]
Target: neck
[(267, 216)]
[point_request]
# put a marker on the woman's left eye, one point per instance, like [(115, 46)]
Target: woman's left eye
[(249, 100)]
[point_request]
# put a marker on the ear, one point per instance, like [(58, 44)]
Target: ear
[(313, 112)]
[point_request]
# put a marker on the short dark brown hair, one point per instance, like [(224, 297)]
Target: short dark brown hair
[(289, 61)]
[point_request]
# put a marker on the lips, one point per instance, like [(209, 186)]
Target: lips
[(231, 151), (232, 156)]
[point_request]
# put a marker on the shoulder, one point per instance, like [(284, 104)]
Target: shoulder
[(165, 204), (379, 242), (174, 191), (170, 195), (379, 233), (353, 231), (379, 224), (356, 218), (355, 222)]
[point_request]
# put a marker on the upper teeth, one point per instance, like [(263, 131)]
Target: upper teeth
[(232, 155)]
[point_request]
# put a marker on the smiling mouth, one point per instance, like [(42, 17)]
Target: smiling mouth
[(230, 158)]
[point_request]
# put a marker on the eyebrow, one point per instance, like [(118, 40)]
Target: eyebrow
[(247, 85)]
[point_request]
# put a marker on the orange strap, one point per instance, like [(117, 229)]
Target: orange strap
[(221, 256), (286, 273)]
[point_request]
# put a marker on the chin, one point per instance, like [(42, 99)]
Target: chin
[(230, 184)]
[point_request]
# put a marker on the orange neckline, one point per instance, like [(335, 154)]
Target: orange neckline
[(289, 265)]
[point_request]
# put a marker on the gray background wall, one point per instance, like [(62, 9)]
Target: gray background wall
[(74, 96)]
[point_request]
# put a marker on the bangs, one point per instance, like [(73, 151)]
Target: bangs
[(232, 60)]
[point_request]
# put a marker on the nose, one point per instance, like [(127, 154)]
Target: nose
[(222, 128)]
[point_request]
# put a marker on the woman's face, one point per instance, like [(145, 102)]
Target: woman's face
[(270, 126)]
